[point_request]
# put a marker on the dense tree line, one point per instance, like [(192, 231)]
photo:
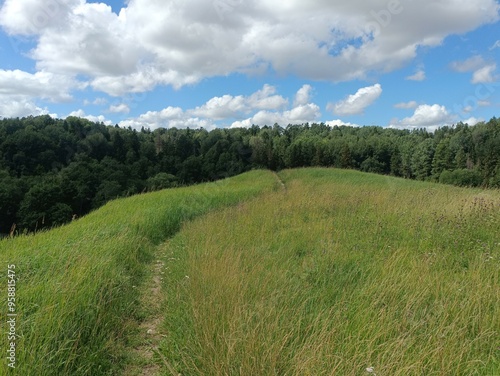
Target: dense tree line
[(53, 170)]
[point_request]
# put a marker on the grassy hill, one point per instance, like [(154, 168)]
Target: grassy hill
[(335, 272), (76, 294), (340, 273)]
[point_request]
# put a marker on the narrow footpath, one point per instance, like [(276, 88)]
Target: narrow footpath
[(146, 358)]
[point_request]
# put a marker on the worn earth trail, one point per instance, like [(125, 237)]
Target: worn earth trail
[(147, 360)]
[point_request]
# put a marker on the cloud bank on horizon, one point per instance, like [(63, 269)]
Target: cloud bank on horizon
[(109, 61)]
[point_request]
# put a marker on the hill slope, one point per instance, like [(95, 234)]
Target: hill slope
[(76, 300), (343, 273), (336, 272)]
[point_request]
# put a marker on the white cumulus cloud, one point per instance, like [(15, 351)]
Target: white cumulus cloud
[(228, 106), (425, 116), (119, 108), (301, 114), (44, 85), (303, 95), (167, 118), (21, 91), (223, 107), (266, 99), (19, 106), (96, 119), (339, 123), (32, 17), (356, 103), (483, 71), (484, 74), (168, 42), (264, 106), (472, 120)]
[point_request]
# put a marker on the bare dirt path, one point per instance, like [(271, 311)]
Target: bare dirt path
[(146, 359)]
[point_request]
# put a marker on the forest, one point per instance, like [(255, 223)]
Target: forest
[(55, 170)]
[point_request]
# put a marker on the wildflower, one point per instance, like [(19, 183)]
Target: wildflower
[(370, 370)]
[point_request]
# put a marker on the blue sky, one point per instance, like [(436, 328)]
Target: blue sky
[(231, 63)]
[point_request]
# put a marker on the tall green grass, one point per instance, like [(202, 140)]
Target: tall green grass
[(76, 294), (344, 273)]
